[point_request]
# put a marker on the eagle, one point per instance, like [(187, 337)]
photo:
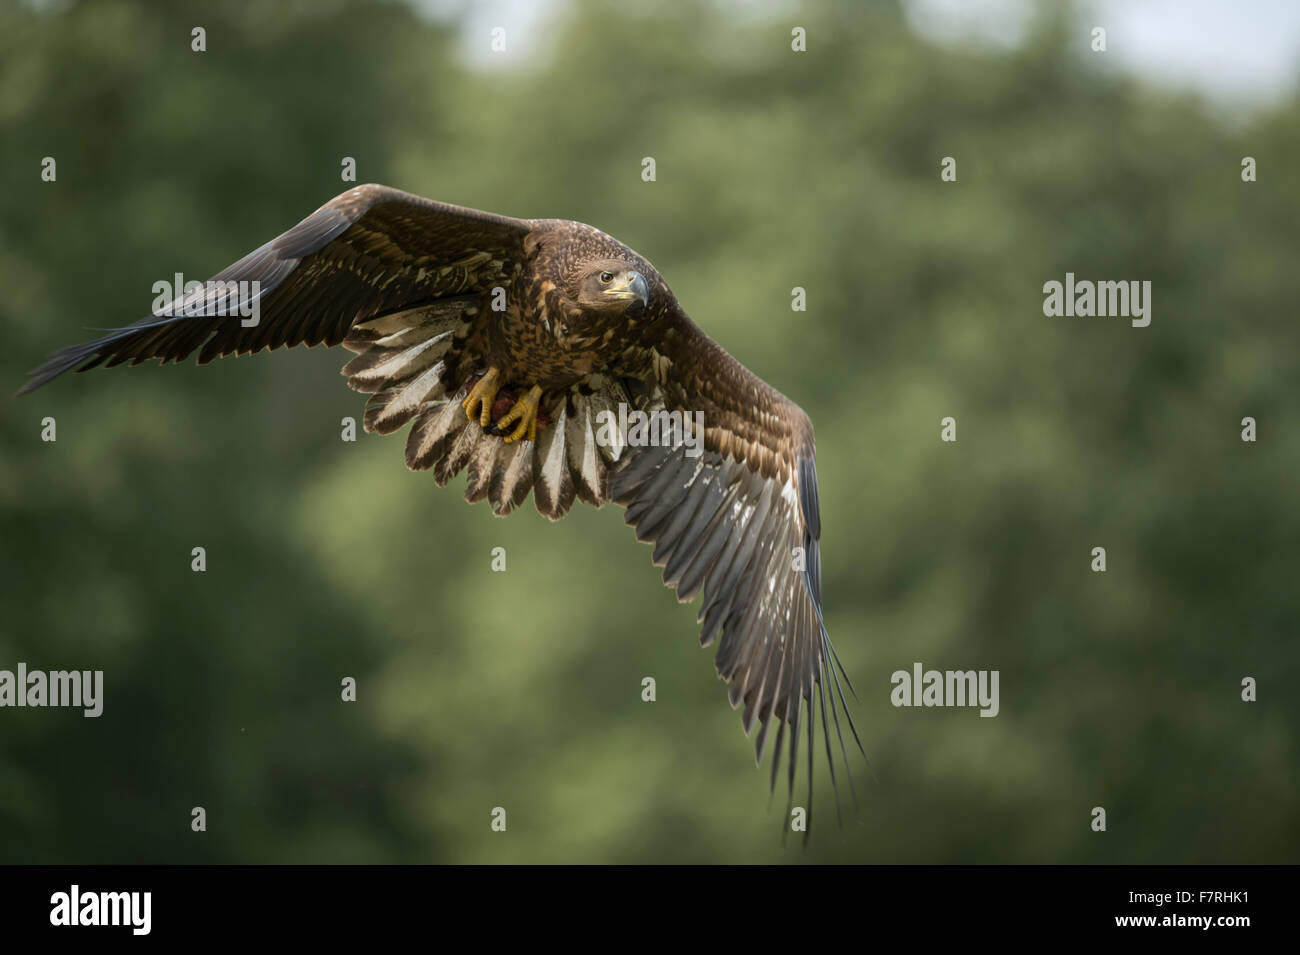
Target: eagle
[(517, 349)]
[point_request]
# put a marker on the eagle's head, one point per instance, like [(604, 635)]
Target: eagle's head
[(610, 286), (599, 278)]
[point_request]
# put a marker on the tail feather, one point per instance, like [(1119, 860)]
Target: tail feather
[(481, 463), (553, 490), (512, 477), (458, 452), (435, 432)]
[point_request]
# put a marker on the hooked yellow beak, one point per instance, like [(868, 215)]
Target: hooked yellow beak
[(629, 285)]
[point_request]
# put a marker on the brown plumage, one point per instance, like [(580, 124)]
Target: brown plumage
[(444, 304)]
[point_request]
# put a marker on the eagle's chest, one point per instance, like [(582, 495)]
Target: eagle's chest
[(538, 340)]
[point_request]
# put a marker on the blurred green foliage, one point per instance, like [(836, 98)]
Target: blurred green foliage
[(522, 689)]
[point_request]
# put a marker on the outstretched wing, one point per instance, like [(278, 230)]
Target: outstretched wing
[(739, 521), (367, 252)]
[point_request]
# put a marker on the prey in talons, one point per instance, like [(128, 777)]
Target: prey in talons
[(495, 410)]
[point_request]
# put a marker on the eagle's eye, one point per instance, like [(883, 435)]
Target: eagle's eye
[(606, 277)]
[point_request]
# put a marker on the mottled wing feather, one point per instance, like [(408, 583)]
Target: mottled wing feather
[(740, 524), (368, 251)]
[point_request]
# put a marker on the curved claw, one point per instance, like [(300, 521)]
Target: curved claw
[(525, 412), (483, 394)]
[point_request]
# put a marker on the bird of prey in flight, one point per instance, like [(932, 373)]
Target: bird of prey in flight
[(502, 341)]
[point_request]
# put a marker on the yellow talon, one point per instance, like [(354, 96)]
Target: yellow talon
[(484, 393), (525, 411)]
